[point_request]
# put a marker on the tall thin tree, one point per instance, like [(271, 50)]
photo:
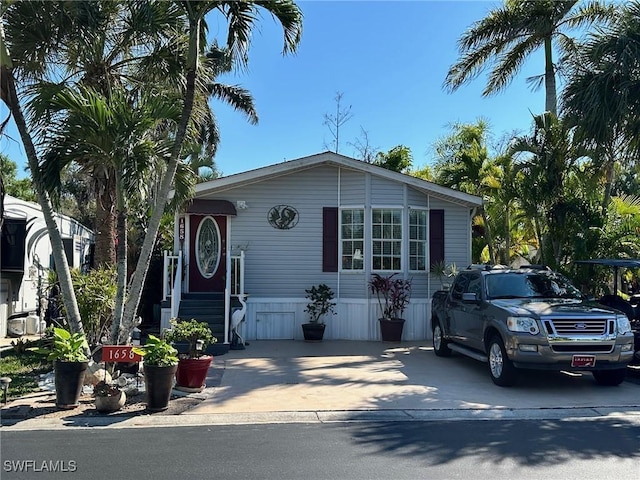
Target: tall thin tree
[(508, 35)]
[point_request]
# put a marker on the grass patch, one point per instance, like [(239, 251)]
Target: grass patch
[(23, 368)]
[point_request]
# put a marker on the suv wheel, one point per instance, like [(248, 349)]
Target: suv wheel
[(440, 345), (610, 378), (501, 369)]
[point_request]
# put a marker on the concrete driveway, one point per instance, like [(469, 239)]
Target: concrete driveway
[(295, 376)]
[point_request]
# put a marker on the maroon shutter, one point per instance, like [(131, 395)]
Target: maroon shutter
[(436, 236), (330, 239)]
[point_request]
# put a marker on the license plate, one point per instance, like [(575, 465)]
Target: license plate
[(583, 361)]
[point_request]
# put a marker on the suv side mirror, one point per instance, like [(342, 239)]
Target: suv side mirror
[(470, 297)]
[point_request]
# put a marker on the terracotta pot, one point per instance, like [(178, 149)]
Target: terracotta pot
[(391, 329), (110, 404), (313, 332), (192, 372), (69, 379)]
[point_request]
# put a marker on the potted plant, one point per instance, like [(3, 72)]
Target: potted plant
[(194, 364), (160, 362), (70, 361), (108, 397), (393, 297), (320, 304)]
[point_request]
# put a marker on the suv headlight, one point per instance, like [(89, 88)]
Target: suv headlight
[(523, 324), (624, 326)]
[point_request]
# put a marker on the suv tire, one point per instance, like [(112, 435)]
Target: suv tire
[(501, 369), (609, 378), (440, 345)]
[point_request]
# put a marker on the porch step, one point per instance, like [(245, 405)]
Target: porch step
[(206, 307)]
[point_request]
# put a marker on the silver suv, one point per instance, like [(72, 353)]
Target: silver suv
[(530, 318)]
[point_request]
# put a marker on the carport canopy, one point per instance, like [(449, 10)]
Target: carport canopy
[(616, 263)]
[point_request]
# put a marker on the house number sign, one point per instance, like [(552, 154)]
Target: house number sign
[(282, 217), (119, 353), (181, 228)]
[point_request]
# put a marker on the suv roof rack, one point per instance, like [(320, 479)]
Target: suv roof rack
[(487, 266), (536, 267)]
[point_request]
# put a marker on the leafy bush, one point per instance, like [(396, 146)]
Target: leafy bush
[(96, 295), (66, 347), (319, 302), (191, 331), (157, 352)]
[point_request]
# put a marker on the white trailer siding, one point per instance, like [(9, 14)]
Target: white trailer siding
[(22, 292), (281, 264)]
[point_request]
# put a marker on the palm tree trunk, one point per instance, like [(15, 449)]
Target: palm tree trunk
[(121, 261), (139, 275), (59, 256), (105, 220), (551, 103), (488, 237), (507, 234), (538, 232), (608, 185)]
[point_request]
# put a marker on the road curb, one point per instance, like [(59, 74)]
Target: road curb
[(629, 414)]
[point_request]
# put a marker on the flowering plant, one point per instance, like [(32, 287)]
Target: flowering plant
[(393, 294)]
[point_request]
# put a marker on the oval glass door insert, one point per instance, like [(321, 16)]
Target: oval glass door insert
[(208, 247)]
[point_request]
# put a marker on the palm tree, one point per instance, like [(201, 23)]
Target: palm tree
[(99, 44), (553, 157), (117, 131), (602, 92), (241, 18), (9, 95), (463, 163), (158, 34), (511, 33)]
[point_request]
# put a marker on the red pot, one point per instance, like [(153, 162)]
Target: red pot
[(192, 372)]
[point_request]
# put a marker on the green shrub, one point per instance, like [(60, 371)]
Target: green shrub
[(96, 295)]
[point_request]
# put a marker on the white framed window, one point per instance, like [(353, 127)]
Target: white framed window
[(352, 238), (417, 240), (386, 239)]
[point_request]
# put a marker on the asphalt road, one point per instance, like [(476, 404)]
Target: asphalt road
[(569, 449)]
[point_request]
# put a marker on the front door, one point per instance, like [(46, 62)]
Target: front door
[(208, 253)]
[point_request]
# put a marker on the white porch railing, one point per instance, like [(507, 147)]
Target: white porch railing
[(237, 274), (172, 286), (172, 283)]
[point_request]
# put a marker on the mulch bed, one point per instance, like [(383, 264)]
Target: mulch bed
[(42, 405)]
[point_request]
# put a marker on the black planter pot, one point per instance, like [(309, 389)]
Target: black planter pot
[(313, 332), (391, 329), (158, 385), (69, 378)]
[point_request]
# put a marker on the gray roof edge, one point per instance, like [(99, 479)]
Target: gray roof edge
[(332, 158)]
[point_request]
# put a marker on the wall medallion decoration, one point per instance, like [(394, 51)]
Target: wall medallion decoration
[(282, 217)]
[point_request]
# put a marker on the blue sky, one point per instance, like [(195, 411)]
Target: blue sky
[(388, 59)]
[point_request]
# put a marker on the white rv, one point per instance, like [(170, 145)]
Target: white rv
[(25, 259)]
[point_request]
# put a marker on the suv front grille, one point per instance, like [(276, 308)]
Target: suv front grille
[(577, 326)]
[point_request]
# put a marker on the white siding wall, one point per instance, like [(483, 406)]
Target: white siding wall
[(281, 319), (281, 264)]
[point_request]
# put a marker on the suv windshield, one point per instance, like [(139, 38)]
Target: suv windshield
[(530, 284)]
